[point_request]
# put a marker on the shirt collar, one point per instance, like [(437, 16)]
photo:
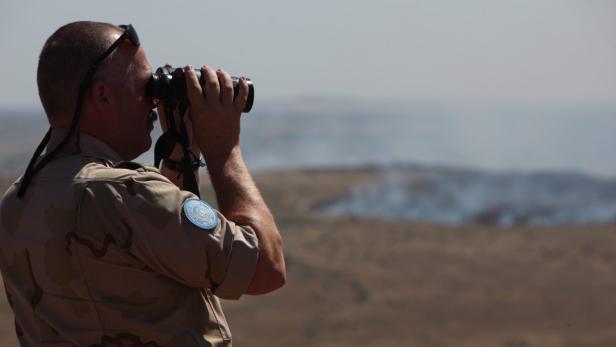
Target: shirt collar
[(83, 143)]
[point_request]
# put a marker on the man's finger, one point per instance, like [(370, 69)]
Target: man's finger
[(242, 96), (226, 87), (193, 88), (211, 87)]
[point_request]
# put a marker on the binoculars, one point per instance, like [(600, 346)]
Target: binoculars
[(169, 83)]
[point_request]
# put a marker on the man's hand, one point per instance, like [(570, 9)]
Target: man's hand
[(214, 112), (216, 126)]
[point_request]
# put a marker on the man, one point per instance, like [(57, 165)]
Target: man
[(99, 251)]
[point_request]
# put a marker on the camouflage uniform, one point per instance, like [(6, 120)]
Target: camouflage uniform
[(101, 253)]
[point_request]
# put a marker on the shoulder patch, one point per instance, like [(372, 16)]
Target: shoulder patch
[(199, 213)]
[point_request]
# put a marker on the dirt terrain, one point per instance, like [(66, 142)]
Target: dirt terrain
[(367, 282)]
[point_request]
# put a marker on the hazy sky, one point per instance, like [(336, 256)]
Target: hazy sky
[(556, 51)]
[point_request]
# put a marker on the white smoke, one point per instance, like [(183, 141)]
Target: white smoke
[(457, 197)]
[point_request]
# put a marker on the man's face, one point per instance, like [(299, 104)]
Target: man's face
[(133, 120)]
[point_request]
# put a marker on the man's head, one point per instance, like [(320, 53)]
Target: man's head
[(115, 108)]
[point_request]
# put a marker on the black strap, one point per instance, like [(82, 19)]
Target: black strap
[(167, 141), (178, 166), (27, 177), (33, 168), (188, 178)]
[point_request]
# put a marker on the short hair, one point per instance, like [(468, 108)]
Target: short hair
[(66, 56)]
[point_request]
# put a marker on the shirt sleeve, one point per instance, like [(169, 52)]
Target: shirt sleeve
[(147, 210)]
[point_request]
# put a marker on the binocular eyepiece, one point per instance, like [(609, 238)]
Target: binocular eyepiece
[(169, 83)]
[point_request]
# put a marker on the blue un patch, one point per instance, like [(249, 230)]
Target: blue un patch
[(199, 213)]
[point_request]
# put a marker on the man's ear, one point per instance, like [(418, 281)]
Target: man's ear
[(99, 95)]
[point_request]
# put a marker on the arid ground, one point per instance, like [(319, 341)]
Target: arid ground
[(368, 282)]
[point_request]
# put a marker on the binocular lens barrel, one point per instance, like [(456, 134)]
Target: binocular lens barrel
[(169, 83)]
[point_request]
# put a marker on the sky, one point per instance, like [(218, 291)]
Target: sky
[(472, 51)]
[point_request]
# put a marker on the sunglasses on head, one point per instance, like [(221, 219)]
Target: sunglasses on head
[(129, 33)]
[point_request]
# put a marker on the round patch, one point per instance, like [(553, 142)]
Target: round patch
[(199, 213)]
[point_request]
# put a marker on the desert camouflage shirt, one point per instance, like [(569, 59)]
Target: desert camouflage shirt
[(101, 253)]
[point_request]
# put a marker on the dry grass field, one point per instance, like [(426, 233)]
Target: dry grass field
[(368, 282)]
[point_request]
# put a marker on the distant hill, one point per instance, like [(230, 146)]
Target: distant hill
[(331, 132)]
